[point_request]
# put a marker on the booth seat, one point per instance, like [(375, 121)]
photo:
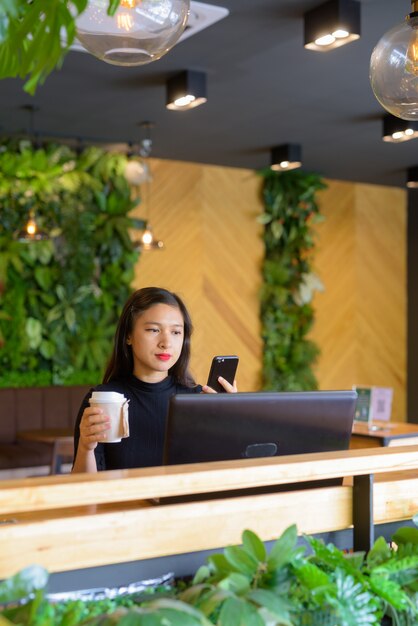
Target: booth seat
[(34, 408)]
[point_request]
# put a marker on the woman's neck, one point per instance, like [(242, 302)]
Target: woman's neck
[(150, 377)]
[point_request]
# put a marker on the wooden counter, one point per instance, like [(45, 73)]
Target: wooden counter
[(81, 521), (384, 434)]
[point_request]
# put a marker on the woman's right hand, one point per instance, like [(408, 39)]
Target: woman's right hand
[(93, 427), (225, 384)]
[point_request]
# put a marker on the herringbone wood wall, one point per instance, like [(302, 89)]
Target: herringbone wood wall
[(361, 316), (206, 216)]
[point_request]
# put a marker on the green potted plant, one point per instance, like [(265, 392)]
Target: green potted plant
[(248, 586)]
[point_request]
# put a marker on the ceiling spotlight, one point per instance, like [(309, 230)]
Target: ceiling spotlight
[(286, 157), (412, 177), (186, 90), (394, 68), (140, 31), (332, 24), (396, 130)]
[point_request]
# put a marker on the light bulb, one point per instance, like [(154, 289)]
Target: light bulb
[(394, 68), (125, 22), (148, 241), (285, 166), (340, 33), (184, 101), (139, 32), (31, 227), (326, 40), (147, 237), (412, 54), (31, 231)]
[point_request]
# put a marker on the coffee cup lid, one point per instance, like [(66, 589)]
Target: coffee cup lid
[(107, 396)]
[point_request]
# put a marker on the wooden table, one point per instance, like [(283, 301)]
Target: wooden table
[(60, 439), (384, 434)]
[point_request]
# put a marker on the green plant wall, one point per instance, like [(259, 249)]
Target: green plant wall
[(60, 298), (289, 282)]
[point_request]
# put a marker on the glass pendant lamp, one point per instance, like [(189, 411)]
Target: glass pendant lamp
[(394, 68), (139, 32), (31, 231), (147, 240)]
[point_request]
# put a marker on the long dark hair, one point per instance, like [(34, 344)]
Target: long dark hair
[(121, 362)]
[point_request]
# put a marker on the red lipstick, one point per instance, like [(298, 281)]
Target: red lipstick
[(163, 357)]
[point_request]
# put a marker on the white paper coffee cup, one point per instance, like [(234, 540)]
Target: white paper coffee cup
[(115, 406)]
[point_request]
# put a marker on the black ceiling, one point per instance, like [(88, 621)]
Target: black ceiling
[(264, 89)]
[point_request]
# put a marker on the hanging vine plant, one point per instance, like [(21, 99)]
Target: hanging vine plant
[(60, 298), (289, 283)]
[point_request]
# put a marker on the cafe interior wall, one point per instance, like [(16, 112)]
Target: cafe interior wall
[(206, 216)]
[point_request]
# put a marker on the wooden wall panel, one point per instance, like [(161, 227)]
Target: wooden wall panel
[(361, 317), (382, 290), (206, 216), (335, 308)]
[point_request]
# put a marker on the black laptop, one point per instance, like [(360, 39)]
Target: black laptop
[(218, 427)]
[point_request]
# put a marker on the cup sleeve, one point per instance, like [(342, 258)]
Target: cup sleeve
[(125, 419)]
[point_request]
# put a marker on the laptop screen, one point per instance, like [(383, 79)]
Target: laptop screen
[(218, 427)]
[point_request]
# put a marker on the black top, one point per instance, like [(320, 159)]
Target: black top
[(148, 409)]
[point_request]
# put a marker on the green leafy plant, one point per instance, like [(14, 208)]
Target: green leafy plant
[(60, 298), (35, 36), (290, 210), (248, 586)]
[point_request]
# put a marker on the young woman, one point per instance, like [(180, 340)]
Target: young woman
[(149, 364)]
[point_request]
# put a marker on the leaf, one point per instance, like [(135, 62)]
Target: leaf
[(211, 602), (22, 584), (47, 349), (70, 318), (275, 605), (253, 545), (113, 5), (277, 229), (241, 560), (379, 553), (43, 277), (219, 565), (312, 576), (406, 535), (283, 549), (179, 611), (389, 591), (354, 605), (34, 332), (236, 583), (264, 218), (236, 612), (202, 574)]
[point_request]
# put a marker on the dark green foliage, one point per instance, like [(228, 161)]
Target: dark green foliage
[(60, 298), (247, 586), (288, 281)]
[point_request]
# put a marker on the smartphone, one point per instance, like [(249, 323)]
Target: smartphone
[(225, 366)]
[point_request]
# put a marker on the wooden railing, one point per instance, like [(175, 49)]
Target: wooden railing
[(77, 521)]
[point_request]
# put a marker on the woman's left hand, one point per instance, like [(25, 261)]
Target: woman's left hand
[(225, 384)]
